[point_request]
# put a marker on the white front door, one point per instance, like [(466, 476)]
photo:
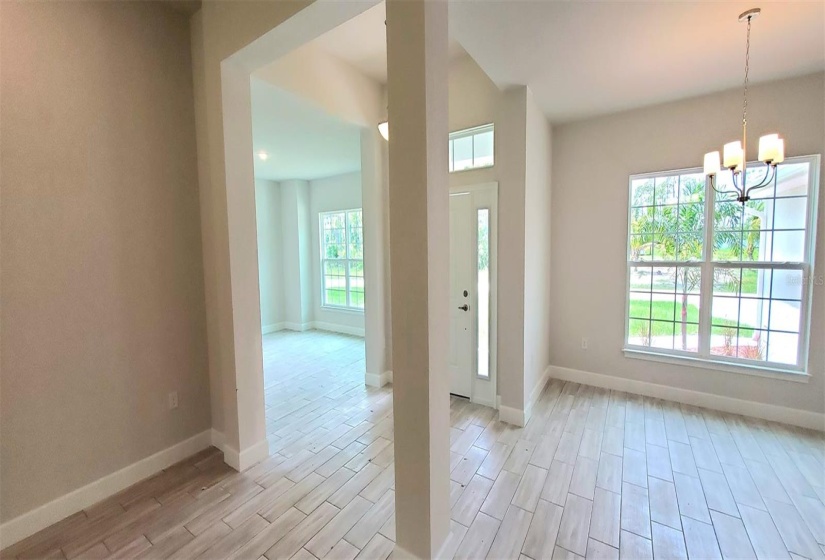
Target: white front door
[(462, 294), (473, 226)]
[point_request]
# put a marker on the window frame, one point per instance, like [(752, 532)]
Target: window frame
[(345, 261), (472, 133), (703, 358)]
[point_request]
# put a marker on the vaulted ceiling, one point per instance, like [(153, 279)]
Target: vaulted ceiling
[(583, 58)]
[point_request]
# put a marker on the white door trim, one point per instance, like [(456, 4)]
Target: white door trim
[(485, 391)]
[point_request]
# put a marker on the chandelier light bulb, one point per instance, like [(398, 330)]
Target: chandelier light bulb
[(712, 164)]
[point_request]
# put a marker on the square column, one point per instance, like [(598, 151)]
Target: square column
[(419, 254)]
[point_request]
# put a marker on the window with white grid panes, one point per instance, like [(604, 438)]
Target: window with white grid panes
[(713, 279), (342, 259), (472, 148)]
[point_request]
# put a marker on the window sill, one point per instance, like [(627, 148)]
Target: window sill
[(472, 169), (352, 310), (714, 365)]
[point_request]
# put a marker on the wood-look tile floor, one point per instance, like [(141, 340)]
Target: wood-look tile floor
[(595, 474)]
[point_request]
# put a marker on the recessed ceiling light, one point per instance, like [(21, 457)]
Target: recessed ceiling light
[(263, 156)]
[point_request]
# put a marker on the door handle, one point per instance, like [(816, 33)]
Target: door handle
[(464, 307)]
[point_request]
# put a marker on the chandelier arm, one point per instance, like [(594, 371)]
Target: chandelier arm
[(713, 186), (770, 173), (735, 177)]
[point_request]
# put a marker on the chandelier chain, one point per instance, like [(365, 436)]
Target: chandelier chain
[(747, 69)]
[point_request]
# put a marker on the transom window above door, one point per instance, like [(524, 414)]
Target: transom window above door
[(715, 280), (472, 148), (342, 259)]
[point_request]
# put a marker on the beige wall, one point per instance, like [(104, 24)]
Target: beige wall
[(102, 278), (592, 160), (537, 211), (270, 253), (475, 100)]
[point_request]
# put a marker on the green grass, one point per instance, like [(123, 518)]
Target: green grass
[(339, 298), (664, 311)]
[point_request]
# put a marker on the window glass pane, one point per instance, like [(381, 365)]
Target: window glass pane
[(638, 332), (662, 334), (785, 316), (664, 279), (666, 190), (450, 160), (692, 188), (641, 192), (667, 218), (483, 149), (641, 247), (670, 297), (745, 317), (356, 235), (789, 246), (752, 345), (483, 291), (792, 179), (749, 232), (791, 213), (640, 278), (356, 284), (463, 153), (783, 347), (787, 284)]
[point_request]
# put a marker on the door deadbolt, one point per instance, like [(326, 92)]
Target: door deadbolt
[(464, 307)]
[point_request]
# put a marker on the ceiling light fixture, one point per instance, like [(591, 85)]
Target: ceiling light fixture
[(771, 146), (263, 156), (384, 129)]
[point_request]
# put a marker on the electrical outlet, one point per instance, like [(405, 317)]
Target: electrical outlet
[(173, 400), (584, 343)]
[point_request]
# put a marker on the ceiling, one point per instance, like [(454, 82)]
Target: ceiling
[(302, 142), (362, 42), (583, 58)]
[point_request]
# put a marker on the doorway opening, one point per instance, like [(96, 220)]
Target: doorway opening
[(309, 217)]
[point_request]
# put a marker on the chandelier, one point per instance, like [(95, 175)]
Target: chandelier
[(771, 146)]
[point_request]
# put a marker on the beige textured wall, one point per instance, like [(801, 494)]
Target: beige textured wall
[(475, 100), (537, 195), (270, 252), (102, 277), (592, 160)]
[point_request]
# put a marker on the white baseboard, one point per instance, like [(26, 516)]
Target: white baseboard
[(274, 327), (511, 415), (795, 417), (485, 402), (252, 455), (41, 517), (318, 325), (535, 394), (401, 553), (334, 327), (378, 379), (240, 460)]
